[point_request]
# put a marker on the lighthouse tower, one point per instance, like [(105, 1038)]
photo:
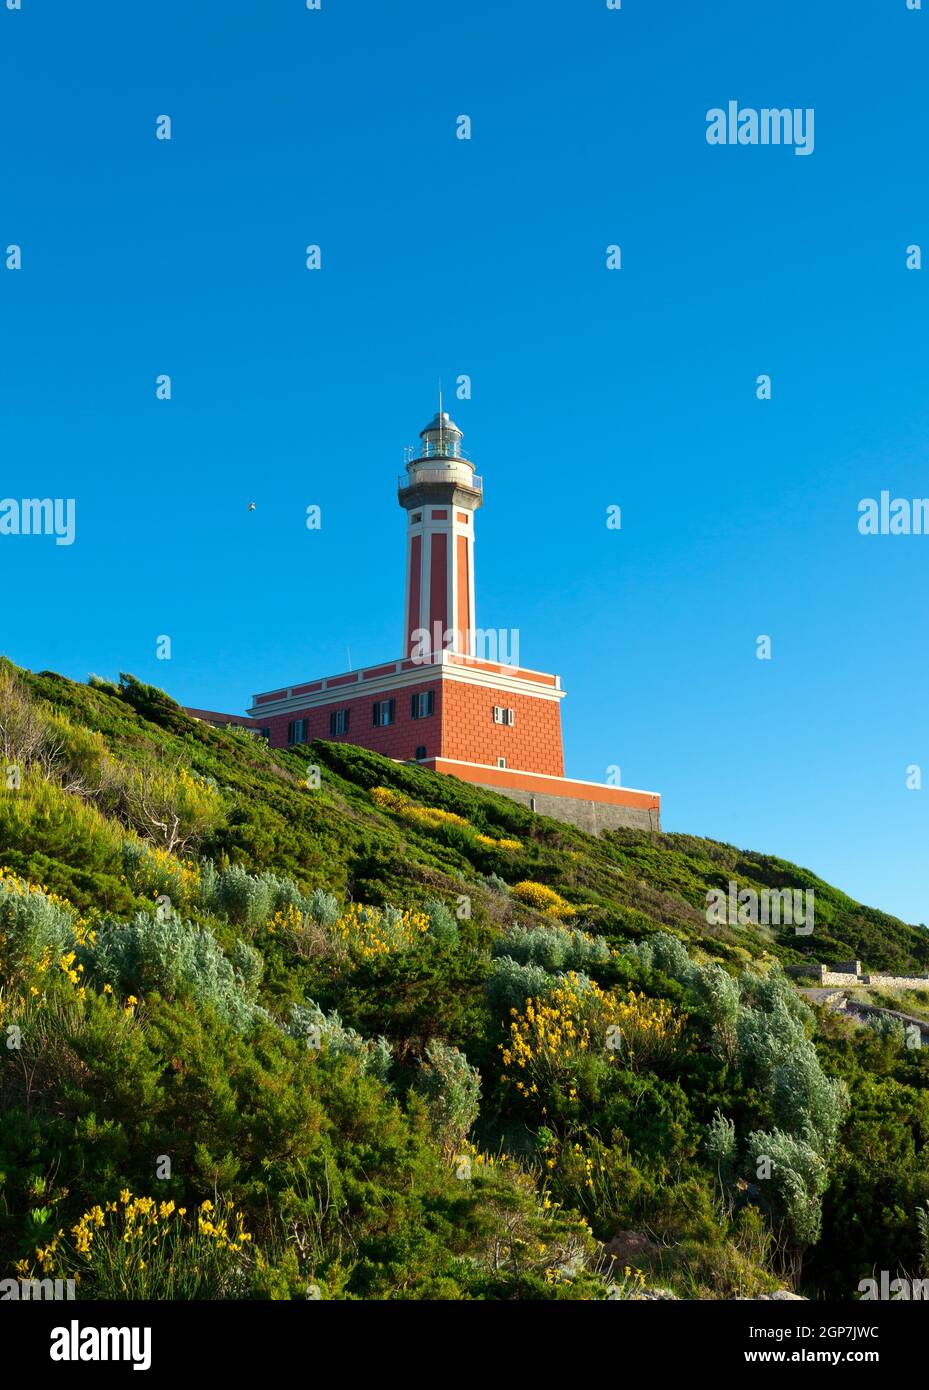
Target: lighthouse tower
[(440, 494)]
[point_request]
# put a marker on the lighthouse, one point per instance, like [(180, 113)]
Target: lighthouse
[(441, 703), (440, 493)]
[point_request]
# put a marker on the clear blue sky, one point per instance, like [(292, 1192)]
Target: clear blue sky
[(590, 387)]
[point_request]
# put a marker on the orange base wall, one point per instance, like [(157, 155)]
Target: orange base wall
[(469, 733), (547, 786)]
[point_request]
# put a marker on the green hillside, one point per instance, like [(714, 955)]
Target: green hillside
[(405, 1039)]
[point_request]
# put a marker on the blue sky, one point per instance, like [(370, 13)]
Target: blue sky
[(486, 257)]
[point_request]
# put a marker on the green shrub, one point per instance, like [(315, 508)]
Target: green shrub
[(792, 1181), (248, 900), (451, 1089), (309, 1022), (554, 948), (152, 872)]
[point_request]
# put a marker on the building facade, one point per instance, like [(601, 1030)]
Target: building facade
[(442, 702)]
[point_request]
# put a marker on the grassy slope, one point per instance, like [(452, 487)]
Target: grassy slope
[(627, 882), (625, 885)]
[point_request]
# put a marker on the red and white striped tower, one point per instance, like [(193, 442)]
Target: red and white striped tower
[(440, 495)]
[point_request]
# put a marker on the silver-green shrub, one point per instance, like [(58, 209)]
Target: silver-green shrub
[(554, 948), (324, 908), (792, 1181), (307, 1020), (719, 994), (510, 984), (720, 1146), (33, 922), (664, 952), (442, 925), (249, 966), (248, 900), (175, 958), (451, 1088)]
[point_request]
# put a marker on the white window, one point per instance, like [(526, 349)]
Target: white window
[(504, 716), (501, 762)]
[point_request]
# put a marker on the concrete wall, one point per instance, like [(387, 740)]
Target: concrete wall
[(896, 981), (838, 977), (592, 816), (846, 978)]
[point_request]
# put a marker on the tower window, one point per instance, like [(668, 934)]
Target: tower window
[(501, 762), (504, 716), (338, 721), (297, 731), (383, 713), (423, 704), (417, 516)]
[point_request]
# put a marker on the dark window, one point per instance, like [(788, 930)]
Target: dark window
[(382, 713), (501, 762), (297, 731), (423, 704), (420, 752), (266, 735), (338, 721)]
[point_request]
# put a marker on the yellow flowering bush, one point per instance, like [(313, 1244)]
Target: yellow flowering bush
[(491, 843), (153, 871), (577, 1020), (371, 932), (547, 1038), (649, 1030), (286, 922), (138, 1247), (545, 899), (428, 816)]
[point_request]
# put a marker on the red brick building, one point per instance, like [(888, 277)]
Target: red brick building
[(453, 700)]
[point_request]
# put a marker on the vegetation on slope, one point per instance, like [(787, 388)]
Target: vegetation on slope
[(312, 1023)]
